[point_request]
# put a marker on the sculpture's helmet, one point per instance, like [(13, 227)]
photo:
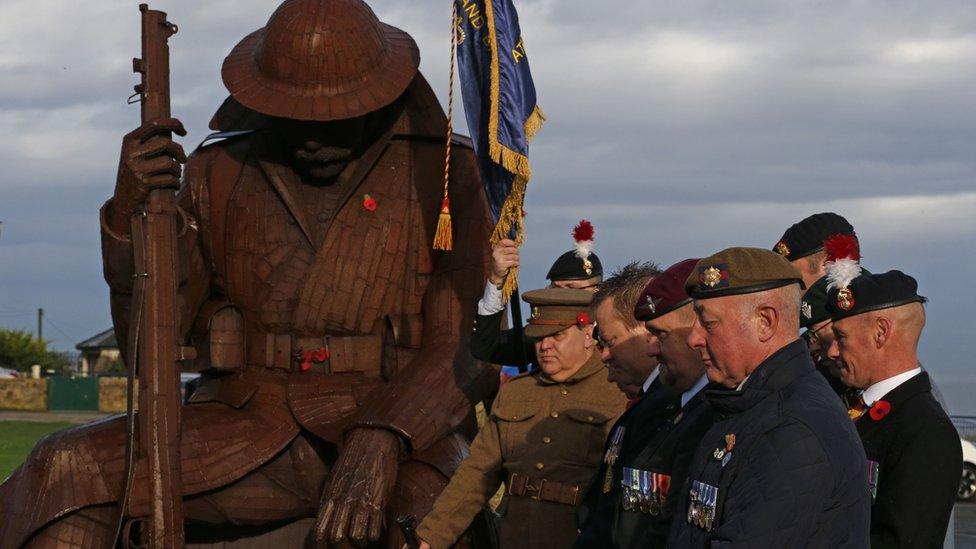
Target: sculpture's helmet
[(321, 60)]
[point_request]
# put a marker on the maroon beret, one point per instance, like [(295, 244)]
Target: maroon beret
[(666, 292)]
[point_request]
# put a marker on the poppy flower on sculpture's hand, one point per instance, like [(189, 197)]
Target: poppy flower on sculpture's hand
[(880, 409), (369, 203)]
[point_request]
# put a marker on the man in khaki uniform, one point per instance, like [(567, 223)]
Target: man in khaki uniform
[(544, 437)]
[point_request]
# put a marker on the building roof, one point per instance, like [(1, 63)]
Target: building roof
[(103, 340)]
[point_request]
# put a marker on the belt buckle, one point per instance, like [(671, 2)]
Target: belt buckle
[(536, 493)]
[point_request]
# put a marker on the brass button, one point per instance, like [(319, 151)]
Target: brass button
[(540, 465), (589, 418), (563, 391), (546, 440), (554, 414)]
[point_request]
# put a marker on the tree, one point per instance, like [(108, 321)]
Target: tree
[(20, 349)]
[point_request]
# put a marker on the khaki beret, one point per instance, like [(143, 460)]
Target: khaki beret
[(735, 271), (555, 309)]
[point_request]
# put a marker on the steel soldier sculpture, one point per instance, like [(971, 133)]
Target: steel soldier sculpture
[(337, 381)]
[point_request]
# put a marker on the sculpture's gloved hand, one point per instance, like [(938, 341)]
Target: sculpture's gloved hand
[(354, 502), (150, 160)]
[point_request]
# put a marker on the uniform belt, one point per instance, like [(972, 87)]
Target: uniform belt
[(541, 489), (329, 354)]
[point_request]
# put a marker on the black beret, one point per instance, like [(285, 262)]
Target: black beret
[(813, 308), (570, 267), (873, 292), (807, 237)]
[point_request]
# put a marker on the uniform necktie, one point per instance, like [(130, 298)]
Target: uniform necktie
[(858, 409)]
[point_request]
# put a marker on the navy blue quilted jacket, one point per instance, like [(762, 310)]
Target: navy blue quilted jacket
[(796, 475)]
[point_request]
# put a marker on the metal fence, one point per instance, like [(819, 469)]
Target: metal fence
[(966, 425)]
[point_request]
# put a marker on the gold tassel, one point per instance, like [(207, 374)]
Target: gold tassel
[(534, 123), (443, 238)]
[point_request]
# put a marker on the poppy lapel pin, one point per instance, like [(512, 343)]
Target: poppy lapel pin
[(880, 409)]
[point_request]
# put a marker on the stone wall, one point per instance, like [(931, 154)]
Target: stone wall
[(29, 395), (111, 394)]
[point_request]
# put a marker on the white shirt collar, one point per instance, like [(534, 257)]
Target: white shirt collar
[(875, 392), (690, 393), (742, 383), (650, 379)]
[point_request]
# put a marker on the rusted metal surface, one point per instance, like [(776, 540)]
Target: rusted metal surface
[(272, 265), (309, 46)]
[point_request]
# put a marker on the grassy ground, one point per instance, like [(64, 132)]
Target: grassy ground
[(17, 438)]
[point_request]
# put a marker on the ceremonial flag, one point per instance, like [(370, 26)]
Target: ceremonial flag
[(500, 107)]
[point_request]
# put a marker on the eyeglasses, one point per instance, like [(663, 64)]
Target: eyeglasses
[(812, 337), (598, 337)]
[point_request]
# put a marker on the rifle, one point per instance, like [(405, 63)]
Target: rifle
[(154, 348), (408, 527)]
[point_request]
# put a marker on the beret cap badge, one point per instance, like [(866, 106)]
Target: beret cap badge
[(535, 313), (806, 309), (845, 299), (843, 266), (710, 276), (782, 249)]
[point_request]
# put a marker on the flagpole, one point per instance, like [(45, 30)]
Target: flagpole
[(519, 333)]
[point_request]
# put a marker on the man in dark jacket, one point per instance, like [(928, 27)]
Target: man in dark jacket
[(627, 350), (915, 459), (652, 475), (783, 467), (578, 268)]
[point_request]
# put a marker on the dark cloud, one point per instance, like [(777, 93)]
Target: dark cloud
[(679, 127)]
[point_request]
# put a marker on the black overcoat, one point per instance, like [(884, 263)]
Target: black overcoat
[(796, 473), (919, 463)]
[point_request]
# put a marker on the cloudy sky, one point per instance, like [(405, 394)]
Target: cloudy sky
[(678, 128)]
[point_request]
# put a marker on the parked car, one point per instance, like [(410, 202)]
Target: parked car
[(967, 485), (7, 373), (188, 383)]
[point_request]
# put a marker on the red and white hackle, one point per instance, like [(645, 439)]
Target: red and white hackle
[(843, 260), (583, 237)]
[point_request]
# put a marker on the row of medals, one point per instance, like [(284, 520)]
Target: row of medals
[(635, 500), (639, 494), (701, 509)]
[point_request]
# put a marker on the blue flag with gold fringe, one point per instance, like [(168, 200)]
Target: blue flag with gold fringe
[(500, 107)]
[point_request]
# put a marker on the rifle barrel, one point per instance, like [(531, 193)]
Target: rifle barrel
[(156, 262)]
